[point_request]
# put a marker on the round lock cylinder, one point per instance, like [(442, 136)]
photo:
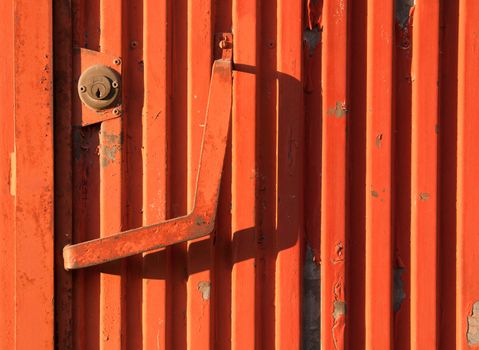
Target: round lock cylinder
[(99, 87)]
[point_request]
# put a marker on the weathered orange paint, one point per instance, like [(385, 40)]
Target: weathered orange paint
[(347, 157)]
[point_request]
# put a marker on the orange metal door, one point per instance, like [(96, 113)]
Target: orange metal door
[(268, 174), (129, 180)]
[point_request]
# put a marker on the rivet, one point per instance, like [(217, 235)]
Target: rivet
[(117, 61), (82, 89), (114, 84), (116, 111)]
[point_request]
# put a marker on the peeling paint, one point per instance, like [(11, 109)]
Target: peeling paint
[(473, 326), (424, 196), (204, 288), (108, 154), (311, 302), (399, 295), (379, 140), (339, 110), (339, 309), (339, 314), (111, 146)]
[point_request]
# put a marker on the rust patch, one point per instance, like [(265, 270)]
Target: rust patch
[(375, 194), (204, 288)]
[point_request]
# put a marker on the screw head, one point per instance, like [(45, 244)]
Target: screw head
[(82, 88), (116, 111), (134, 44), (114, 84), (117, 61)]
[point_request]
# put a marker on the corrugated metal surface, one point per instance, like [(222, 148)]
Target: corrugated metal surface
[(347, 210)]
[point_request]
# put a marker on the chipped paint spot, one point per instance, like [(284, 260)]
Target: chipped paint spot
[(204, 288), (108, 154), (339, 110), (110, 147), (375, 194), (379, 140), (473, 326), (403, 11), (436, 129), (339, 309), (199, 220), (399, 295), (312, 38), (424, 196), (311, 302)]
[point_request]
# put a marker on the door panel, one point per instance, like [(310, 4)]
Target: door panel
[(338, 161)]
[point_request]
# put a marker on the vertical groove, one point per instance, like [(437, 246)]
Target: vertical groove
[(222, 290), (448, 173), (177, 161), (357, 175), (62, 40), (266, 141), (401, 269), (133, 66)]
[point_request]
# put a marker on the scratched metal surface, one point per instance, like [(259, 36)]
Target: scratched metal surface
[(347, 216)]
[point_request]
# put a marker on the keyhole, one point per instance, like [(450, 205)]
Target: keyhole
[(98, 93)]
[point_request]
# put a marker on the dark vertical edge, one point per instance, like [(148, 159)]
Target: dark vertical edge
[(447, 173), (266, 145), (357, 174), (313, 100), (221, 304), (132, 52), (401, 175), (62, 68), (177, 160)]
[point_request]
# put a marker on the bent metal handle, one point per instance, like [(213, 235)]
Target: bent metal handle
[(201, 221)]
